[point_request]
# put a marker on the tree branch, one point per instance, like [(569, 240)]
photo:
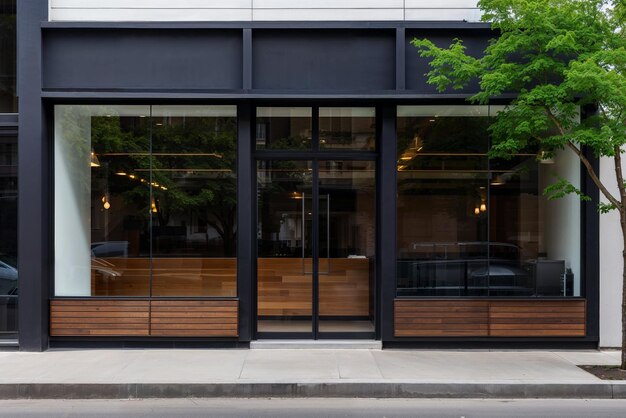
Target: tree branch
[(620, 175), (594, 176), (592, 173)]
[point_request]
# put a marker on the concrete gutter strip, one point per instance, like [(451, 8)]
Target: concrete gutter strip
[(314, 390)]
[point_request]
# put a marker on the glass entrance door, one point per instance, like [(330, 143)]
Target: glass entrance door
[(316, 249)]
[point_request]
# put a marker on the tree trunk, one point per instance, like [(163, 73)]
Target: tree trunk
[(623, 224)]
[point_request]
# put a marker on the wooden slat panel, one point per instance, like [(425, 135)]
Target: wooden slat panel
[(537, 318), (99, 318), (433, 318), (496, 318), (174, 318), (205, 318)]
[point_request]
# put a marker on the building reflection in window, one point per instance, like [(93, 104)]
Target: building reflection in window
[(471, 226), (8, 55), (8, 234), (145, 201)]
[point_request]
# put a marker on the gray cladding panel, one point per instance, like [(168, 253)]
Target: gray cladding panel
[(416, 67), (133, 59), (323, 60)]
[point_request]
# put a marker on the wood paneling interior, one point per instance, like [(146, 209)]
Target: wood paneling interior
[(171, 277), (171, 318), (194, 318), (446, 318), (495, 318), (215, 277), (285, 290), (99, 318)]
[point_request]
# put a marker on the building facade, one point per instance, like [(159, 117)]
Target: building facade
[(214, 173)]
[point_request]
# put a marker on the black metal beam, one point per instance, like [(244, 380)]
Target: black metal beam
[(434, 25)]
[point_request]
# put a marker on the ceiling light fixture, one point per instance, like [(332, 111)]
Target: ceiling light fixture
[(94, 162)]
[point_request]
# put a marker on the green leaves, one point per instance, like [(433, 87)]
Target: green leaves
[(451, 67), (556, 57), (563, 188)]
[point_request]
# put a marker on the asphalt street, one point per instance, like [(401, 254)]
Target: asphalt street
[(305, 408)]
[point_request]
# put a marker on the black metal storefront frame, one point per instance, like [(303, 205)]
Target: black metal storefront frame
[(41, 88)]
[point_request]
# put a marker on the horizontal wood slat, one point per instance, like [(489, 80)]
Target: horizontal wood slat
[(210, 318), (111, 318), (495, 318), (537, 318), (449, 318), (163, 318)]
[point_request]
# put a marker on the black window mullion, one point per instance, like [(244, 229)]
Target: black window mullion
[(315, 127), (315, 250)]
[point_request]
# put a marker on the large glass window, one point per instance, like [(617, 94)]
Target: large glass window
[(8, 100), (471, 226), (145, 200), (8, 237)]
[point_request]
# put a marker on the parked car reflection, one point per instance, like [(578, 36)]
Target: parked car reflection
[(8, 279), (466, 269)]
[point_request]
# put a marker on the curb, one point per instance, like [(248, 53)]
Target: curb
[(313, 390)]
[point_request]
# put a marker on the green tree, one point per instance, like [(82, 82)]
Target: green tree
[(556, 57)]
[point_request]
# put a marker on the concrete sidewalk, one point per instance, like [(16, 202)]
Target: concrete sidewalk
[(305, 372)]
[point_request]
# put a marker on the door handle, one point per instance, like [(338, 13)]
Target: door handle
[(302, 236)]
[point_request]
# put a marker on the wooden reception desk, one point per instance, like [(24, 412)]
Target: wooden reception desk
[(284, 284)]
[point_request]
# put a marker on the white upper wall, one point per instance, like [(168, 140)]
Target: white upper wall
[(262, 10)]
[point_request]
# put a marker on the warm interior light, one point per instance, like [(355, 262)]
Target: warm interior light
[(476, 211), (153, 206), (483, 207), (131, 176), (105, 202), (498, 181), (94, 162), (406, 158), (121, 173), (545, 158)]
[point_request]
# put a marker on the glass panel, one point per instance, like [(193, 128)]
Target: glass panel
[(535, 242), (8, 317), (442, 202), (283, 128), (284, 246), (8, 234), (102, 200), (194, 201), (347, 237), (348, 128), (8, 55)]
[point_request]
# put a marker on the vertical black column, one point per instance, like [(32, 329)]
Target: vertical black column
[(245, 226), (590, 234), (400, 59), (247, 59), (386, 270), (33, 187)]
